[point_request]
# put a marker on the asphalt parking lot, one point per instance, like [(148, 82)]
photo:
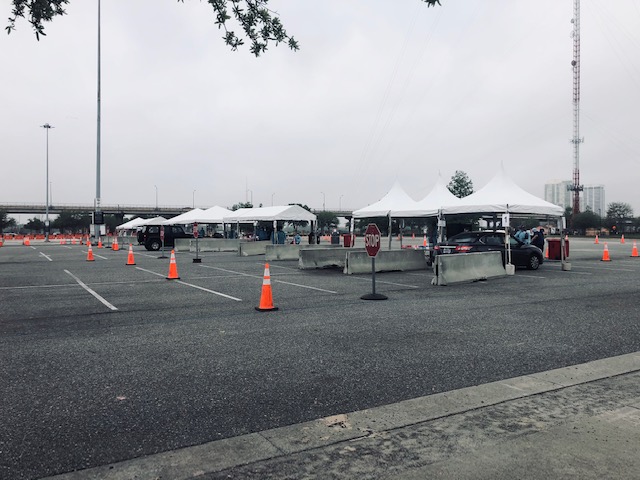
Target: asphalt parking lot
[(102, 362)]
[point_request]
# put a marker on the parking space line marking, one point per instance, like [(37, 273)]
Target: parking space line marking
[(46, 256), (194, 286), (24, 287), (210, 291), (33, 247), (83, 285), (388, 283), (272, 279)]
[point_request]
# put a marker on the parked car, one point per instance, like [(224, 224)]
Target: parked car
[(522, 255), (149, 236)]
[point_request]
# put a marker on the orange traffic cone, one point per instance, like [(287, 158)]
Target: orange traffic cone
[(62, 241), (73, 240), (424, 242), (266, 298), (605, 254), (114, 246), (173, 268), (1, 241), (26, 241), (99, 242), (546, 252), (622, 238), (130, 259), (90, 255), (634, 250), (596, 241), (413, 235)]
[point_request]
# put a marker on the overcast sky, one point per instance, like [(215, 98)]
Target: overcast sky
[(381, 90)]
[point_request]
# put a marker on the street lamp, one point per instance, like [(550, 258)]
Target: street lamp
[(340, 203), (324, 198), (194, 199), (251, 192), (46, 126), (156, 198)]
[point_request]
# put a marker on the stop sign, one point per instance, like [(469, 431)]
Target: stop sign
[(195, 230), (372, 239)]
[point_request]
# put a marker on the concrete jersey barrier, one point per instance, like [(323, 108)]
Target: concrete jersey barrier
[(207, 245), (358, 261), (327, 257), (291, 251), (467, 267)]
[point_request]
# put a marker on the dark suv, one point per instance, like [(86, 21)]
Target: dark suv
[(149, 236)]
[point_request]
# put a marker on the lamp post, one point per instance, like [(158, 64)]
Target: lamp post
[(156, 198), (324, 198), (194, 199), (251, 192), (46, 126), (340, 203)]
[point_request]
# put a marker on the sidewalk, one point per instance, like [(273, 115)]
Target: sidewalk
[(575, 422)]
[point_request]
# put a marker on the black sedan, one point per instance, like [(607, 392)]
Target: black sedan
[(522, 254)]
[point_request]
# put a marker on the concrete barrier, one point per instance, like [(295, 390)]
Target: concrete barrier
[(358, 261), (251, 248), (324, 257), (290, 251), (467, 267), (207, 244)]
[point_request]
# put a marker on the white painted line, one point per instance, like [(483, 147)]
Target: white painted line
[(272, 279), (100, 256), (529, 276), (91, 291), (149, 271), (46, 256), (207, 290), (194, 286), (387, 283), (25, 287), (32, 247)]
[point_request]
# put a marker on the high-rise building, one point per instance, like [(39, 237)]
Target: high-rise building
[(558, 193), (593, 199)]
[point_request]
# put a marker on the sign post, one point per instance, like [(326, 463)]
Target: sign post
[(162, 242), (195, 235), (372, 239)]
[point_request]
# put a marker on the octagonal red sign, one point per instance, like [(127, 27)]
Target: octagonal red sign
[(372, 239)]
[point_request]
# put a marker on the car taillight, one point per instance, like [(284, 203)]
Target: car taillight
[(463, 248)]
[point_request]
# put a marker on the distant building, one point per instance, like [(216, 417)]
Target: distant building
[(593, 199), (592, 196), (558, 193)]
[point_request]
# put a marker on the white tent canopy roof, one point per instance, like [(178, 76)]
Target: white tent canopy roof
[(184, 218), (214, 214), (395, 200), (131, 224), (284, 212), (502, 195), (153, 221), (438, 198)]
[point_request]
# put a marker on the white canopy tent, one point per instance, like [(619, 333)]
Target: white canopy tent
[(214, 214), (153, 221), (502, 195), (395, 200), (184, 218), (131, 224), (432, 204), (266, 214)]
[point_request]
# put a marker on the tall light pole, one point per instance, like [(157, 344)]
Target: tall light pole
[(98, 218), (194, 199), (340, 203), (156, 198), (46, 126), (251, 192), (272, 198), (324, 199)]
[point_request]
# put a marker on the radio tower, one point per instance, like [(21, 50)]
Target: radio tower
[(576, 188)]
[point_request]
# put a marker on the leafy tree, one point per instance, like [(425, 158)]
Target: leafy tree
[(460, 184), (6, 221), (326, 219), (239, 205), (619, 211), (587, 219), (72, 221), (34, 225), (259, 24)]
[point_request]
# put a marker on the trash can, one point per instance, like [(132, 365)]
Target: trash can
[(335, 238), (347, 239), (555, 249)]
